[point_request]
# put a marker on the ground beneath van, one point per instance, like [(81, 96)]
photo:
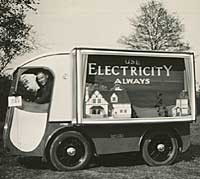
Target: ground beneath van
[(108, 167)]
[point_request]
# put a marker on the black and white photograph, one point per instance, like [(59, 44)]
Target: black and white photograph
[(99, 89)]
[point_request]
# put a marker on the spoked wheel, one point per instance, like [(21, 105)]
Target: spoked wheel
[(160, 149), (70, 151)]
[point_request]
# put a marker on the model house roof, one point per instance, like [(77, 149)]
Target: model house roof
[(121, 95)]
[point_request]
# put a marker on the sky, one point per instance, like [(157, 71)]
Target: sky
[(64, 24)]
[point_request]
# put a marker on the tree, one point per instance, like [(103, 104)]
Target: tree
[(155, 29), (15, 33)]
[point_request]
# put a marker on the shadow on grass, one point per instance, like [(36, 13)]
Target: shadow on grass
[(116, 160), (34, 163), (192, 153), (132, 159), (111, 160)]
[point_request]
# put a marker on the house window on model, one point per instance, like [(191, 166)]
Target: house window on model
[(99, 100), (114, 98), (94, 101)]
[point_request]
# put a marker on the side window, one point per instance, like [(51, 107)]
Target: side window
[(135, 87), (35, 86)]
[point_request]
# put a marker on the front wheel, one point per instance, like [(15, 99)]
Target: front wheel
[(70, 151), (160, 148)]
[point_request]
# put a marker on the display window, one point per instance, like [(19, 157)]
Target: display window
[(135, 87)]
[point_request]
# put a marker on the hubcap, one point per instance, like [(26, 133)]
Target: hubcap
[(161, 147), (71, 151)]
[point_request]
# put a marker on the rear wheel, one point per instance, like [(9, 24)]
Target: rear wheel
[(160, 148), (70, 151)]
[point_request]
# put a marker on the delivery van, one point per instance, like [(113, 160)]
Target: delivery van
[(68, 107)]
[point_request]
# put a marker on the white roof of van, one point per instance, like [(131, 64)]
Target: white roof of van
[(26, 58)]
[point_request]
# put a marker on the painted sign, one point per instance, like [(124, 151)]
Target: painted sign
[(150, 85)]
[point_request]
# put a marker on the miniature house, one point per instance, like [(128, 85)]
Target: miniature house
[(107, 103), (182, 108)]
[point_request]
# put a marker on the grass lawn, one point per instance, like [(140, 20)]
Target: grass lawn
[(128, 166)]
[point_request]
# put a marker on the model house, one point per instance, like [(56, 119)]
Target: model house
[(107, 103)]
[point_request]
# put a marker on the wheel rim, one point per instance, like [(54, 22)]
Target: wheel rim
[(70, 152), (161, 148)]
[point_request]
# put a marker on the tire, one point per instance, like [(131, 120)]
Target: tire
[(160, 148), (70, 151)]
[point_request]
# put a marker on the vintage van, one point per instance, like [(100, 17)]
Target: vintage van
[(101, 101)]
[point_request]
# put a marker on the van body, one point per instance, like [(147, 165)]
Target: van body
[(102, 101)]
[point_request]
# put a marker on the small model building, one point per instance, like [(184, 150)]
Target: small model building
[(182, 105), (181, 108), (107, 103)]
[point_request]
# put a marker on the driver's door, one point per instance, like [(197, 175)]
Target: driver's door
[(29, 119)]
